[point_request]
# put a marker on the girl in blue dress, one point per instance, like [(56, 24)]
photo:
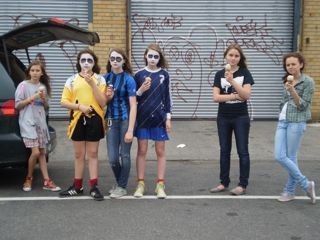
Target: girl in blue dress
[(153, 115)]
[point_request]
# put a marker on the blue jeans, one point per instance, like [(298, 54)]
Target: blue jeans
[(119, 151), (240, 126), (286, 146)]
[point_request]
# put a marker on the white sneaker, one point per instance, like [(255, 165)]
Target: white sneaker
[(112, 189), (118, 192), (161, 194), (139, 190), (311, 192), (285, 197)]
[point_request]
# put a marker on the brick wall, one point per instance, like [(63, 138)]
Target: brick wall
[(109, 21), (310, 47)]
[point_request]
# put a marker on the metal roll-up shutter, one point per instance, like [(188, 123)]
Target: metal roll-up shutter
[(194, 35), (60, 56)]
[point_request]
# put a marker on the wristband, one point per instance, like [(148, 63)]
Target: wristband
[(139, 93)]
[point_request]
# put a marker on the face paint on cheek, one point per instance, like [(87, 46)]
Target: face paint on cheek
[(87, 66), (116, 64), (152, 61)]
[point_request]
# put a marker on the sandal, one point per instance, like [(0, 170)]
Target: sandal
[(238, 191), (219, 188)]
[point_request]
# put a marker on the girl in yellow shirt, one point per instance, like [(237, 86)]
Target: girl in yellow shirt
[(83, 95)]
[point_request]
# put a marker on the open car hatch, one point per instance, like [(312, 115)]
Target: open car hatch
[(45, 30)]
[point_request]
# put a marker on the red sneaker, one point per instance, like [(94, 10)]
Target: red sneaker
[(51, 186)]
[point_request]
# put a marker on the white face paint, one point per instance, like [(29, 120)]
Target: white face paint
[(153, 58), (116, 60), (86, 62)]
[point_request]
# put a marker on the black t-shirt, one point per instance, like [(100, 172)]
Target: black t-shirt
[(236, 108)]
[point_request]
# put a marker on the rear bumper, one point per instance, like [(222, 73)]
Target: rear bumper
[(13, 151)]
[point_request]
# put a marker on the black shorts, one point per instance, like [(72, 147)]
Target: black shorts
[(88, 129)]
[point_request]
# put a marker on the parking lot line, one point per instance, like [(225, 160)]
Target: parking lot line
[(150, 197)]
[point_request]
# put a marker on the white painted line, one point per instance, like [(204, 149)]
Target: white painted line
[(150, 197)]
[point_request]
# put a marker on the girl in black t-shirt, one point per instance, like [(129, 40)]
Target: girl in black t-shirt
[(232, 89)]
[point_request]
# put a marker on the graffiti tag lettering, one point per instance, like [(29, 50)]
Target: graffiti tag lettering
[(248, 34)]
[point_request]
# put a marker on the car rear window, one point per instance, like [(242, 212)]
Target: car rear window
[(7, 87)]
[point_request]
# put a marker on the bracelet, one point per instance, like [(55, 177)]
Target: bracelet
[(138, 93)]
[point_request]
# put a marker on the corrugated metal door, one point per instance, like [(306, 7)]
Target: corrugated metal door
[(194, 35), (60, 56)]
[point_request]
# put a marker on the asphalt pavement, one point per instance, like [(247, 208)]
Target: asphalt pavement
[(197, 140), (190, 212)]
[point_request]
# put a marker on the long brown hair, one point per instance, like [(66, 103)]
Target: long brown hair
[(44, 79), (126, 65), (243, 59), (296, 55), (96, 67), (162, 61)]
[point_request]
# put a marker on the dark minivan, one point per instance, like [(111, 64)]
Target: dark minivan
[(12, 149)]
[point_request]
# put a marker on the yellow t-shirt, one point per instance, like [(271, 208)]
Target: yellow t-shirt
[(77, 90)]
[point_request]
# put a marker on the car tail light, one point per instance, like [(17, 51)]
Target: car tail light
[(57, 20), (7, 108)]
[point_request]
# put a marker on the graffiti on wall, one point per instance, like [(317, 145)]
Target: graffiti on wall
[(248, 34), (188, 60), (185, 52), (156, 24)]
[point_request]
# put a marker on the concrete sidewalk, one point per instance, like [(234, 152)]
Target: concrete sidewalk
[(197, 140)]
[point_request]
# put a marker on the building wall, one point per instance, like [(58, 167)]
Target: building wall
[(109, 20), (194, 35), (310, 47)]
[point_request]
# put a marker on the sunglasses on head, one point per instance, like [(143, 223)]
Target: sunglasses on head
[(155, 56), (118, 59), (88, 60)]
